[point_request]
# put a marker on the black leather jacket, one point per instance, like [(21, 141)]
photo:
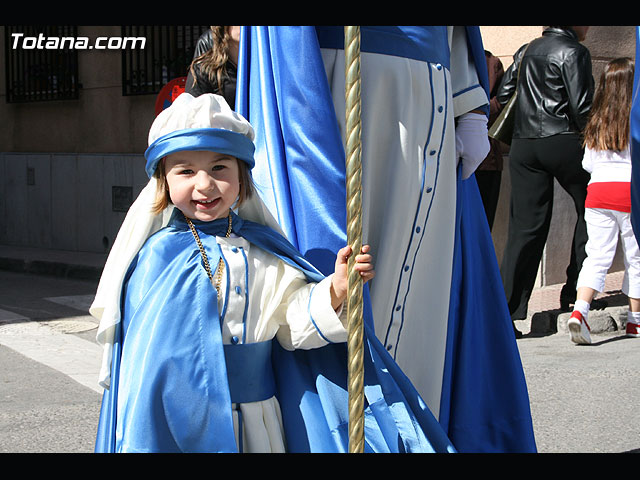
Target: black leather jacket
[(556, 85)]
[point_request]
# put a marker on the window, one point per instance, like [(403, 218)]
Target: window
[(167, 55), (40, 65)]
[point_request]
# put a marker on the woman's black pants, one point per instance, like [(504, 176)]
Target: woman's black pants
[(533, 165)]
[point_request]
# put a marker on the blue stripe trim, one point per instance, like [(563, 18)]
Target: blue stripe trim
[(246, 295), (240, 429), (418, 209), (424, 43), (424, 226), (468, 89), (406, 255), (197, 139), (311, 316), (226, 293)]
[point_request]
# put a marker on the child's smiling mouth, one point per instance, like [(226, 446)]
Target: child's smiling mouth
[(206, 204)]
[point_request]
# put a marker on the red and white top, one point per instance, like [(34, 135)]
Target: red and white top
[(610, 184)]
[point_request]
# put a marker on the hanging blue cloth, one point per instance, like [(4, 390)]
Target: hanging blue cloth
[(485, 402), (284, 93), (635, 145)]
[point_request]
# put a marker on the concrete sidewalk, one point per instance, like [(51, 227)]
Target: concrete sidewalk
[(545, 317)]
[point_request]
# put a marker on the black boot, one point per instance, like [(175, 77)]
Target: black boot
[(567, 297)]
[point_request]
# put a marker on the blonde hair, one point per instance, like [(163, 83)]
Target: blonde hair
[(608, 124), (163, 198)]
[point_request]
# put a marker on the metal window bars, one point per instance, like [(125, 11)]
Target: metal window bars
[(167, 55), (36, 67)]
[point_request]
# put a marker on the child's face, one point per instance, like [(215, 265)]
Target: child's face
[(202, 184)]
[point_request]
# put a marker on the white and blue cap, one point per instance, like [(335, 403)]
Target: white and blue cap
[(205, 122)]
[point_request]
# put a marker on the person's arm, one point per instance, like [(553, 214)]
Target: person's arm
[(587, 160), (508, 84), (310, 315), (578, 80), (467, 87)]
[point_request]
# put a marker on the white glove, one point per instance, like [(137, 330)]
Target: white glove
[(472, 142)]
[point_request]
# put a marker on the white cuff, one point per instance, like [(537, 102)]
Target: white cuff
[(327, 321)]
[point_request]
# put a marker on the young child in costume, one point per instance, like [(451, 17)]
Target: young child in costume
[(193, 364), (607, 158)]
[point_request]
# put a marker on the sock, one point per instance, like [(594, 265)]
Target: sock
[(633, 317), (582, 307)]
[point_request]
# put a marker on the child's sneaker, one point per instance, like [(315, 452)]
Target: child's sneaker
[(633, 330), (579, 329)]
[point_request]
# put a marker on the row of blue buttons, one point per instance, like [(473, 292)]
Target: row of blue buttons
[(428, 190), (235, 339)]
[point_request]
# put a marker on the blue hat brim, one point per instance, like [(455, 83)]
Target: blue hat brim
[(195, 139)]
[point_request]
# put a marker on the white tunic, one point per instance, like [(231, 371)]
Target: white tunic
[(409, 166), (280, 304)]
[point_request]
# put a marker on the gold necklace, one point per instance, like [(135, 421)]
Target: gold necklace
[(218, 279)]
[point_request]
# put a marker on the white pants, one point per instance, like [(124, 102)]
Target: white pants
[(603, 228)]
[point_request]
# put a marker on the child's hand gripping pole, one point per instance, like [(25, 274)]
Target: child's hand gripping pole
[(362, 265)]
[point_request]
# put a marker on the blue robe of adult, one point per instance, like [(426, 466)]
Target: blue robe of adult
[(635, 146), (283, 91), (175, 361)]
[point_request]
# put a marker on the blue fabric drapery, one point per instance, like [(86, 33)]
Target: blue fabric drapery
[(283, 92)]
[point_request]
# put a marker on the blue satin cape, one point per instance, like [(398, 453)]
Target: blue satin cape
[(283, 91), (173, 358)]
